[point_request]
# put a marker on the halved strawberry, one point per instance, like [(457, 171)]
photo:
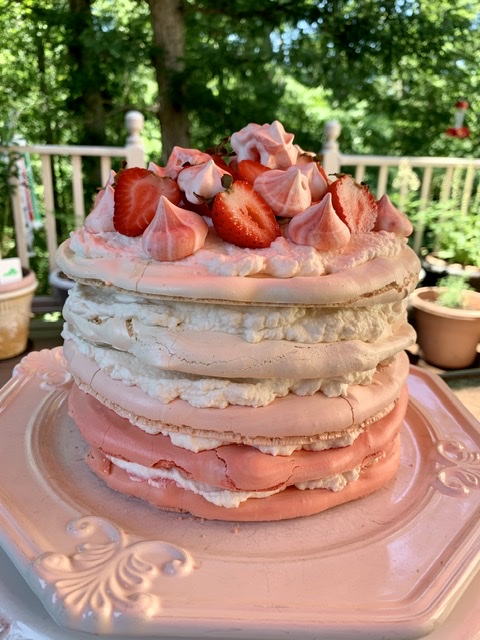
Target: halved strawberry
[(354, 203), (242, 217), (249, 170), (137, 192)]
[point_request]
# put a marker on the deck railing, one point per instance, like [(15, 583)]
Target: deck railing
[(407, 178), (410, 179), (23, 191)]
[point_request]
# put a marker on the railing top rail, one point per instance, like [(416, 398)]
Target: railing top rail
[(65, 150), (413, 161)]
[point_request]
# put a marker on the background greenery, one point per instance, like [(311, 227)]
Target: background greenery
[(389, 70)]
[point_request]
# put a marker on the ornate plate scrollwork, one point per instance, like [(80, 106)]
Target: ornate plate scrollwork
[(49, 365), (105, 577), (460, 473)]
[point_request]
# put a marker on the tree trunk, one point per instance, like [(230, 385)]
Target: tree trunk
[(85, 63), (168, 60)]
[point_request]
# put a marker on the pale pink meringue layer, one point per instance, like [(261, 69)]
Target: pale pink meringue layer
[(286, 417)]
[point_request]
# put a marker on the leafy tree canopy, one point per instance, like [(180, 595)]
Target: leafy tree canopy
[(389, 70)]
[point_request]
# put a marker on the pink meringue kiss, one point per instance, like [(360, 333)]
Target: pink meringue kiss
[(268, 144), (100, 217), (317, 179), (202, 181), (157, 170), (320, 227), (287, 192), (389, 218), (173, 233), (181, 157), (110, 182)]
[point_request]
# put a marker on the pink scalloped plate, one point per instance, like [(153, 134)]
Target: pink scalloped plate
[(392, 565)]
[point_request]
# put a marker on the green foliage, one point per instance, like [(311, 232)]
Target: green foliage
[(451, 234), (452, 291), (389, 70)]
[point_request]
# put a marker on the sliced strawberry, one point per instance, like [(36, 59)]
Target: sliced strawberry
[(249, 170), (354, 203), (137, 192), (202, 208), (242, 217)]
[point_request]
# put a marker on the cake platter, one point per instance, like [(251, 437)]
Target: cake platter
[(398, 564)]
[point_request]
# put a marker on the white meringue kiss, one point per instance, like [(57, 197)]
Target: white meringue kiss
[(204, 180), (268, 144), (100, 217), (157, 170), (287, 192), (181, 157), (173, 233), (389, 218), (317, 180), (320, 227)]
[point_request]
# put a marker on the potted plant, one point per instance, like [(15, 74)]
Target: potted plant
[(17, 287), (452, 242), (447, 320)]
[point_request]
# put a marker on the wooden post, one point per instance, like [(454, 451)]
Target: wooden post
[(330, 150), (135, 152)]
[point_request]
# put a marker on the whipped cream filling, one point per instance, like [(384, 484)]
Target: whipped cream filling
[(282, 259), (254, 323), (225, 497), (198, 443), (201, 392)]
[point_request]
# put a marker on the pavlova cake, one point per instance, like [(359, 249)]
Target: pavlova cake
[(237, 332)]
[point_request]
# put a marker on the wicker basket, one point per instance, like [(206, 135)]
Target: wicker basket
[(15, 313)]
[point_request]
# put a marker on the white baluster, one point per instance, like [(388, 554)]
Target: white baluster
[(135, 152)]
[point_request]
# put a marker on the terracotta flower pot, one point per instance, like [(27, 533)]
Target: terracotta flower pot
[(15, 312), (447, 338)]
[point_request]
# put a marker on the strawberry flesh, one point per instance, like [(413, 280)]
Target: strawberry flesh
[(137, 193), (354, 204), (243, 218), (249, 170)]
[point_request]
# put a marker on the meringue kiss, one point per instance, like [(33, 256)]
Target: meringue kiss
[(389, 218), (287, 192), (319, 226), (173, 233)]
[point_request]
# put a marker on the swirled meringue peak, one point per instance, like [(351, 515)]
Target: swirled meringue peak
[(100, 217), (317, 179), (389, 218), (319, 226), (202, 181), (268, 144), (287, 192), (174, 233), (181, 157)]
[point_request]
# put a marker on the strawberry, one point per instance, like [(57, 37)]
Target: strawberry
[(243, 218), (137, 193), (249, 170), (354, 203)]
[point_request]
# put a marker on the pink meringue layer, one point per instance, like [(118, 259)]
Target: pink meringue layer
[(235, 466), (288, 416), (290, 503), (383, 279)]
